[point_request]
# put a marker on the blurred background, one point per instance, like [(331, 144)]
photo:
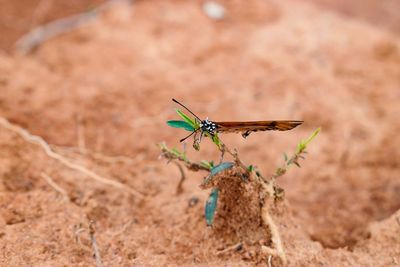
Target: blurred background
[(20, 17), (95, 79)]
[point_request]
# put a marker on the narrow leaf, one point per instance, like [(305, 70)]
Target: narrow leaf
[(313, 135), (303, 143), (206, 164), (176, 152), (280, 171), (186, 118), (221, 167), (181, 124), (217, 169), (216, 140), (211, 206)]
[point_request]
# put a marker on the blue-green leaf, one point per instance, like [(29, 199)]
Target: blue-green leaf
[(221, 167), (211, 206), (214, 170), (181, 124)]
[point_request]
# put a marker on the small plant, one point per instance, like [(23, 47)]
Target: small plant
[(244, 195)]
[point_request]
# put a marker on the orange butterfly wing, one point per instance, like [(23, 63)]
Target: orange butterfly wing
[(246, 127)]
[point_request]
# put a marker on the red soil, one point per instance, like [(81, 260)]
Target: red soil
[(104, 90)]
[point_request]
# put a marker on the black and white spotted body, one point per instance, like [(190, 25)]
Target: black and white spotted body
[(208, 126)]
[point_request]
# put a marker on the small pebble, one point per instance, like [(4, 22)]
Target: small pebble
[(193, 201), (214, 10)]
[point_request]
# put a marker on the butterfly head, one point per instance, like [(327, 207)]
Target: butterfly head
[(208, 126)]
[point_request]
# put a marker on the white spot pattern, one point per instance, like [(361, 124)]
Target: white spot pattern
[(208, 126)]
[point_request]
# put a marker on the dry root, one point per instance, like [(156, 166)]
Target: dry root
[(55, 186), (41, 34), (34, 139), (96, 249)]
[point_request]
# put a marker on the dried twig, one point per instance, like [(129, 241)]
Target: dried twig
[(179, 188), (77, 230), (94, 244), (270, 261), (224, 149), (275, 236), (170, 155), (100, 156), (48, 31), (124, 227), (116, 159), (34, 139), (55, 186), (235, 247)]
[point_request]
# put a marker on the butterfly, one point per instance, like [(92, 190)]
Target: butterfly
[(243, 127)]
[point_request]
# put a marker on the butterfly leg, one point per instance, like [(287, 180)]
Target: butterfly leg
[(201, 136), (246, 133)]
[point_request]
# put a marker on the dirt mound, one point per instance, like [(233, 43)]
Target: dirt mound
[(100, 96)]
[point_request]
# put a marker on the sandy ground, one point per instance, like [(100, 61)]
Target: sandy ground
[(100, 96)]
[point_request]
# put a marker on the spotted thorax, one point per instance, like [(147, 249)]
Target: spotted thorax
[(208, 126)]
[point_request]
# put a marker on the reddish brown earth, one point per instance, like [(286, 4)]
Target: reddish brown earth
[(104, 91)]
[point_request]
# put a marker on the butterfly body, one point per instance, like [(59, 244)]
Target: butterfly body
[(208, 126), (243, 127), (247, 127)]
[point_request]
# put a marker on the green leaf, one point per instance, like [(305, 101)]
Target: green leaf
[(162, 146), (280, 171), (176, 151), (216, 140), (285, 156), (206, 164), (187, 119), (211, 206), (215, 170), (221, 167), (250, 168), (312, 136), (181, 124), (303, 143), (196, 145)]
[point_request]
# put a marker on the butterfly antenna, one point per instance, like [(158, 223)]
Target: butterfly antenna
[(176, 101), (183, 139)]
